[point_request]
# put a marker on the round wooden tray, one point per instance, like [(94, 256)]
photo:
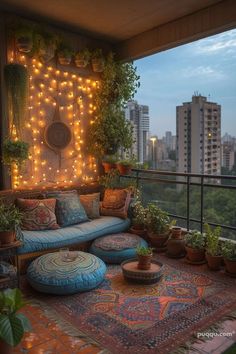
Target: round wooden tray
[(132, 273), (57, 135)]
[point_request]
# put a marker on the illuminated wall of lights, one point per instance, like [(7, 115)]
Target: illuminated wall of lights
[(63, 89)]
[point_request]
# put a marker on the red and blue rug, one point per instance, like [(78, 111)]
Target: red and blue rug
[(129, 318)]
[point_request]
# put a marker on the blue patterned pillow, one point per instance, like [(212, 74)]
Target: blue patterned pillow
[(69, 210)]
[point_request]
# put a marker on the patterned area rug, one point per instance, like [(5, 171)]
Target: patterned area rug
[(129, 318)]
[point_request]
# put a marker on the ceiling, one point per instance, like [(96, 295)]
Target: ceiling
[(111, 20)]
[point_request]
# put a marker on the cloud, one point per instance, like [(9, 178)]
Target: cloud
[(202, 71), (224, 42)]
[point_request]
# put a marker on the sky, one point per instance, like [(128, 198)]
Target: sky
[(169, 78)]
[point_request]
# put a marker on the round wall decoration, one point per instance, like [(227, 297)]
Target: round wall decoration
[(57, 135)]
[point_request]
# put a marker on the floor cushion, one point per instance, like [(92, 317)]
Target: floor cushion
[(52, 273), (116, 248)]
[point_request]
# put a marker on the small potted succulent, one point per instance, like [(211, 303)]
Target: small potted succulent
[(82, 58), (158, 225), (195, 246), (213, 250), (229, 254), (109, 163), (13, 324), (98, 61), (144, 255), (125, 166), (10, 221), (64, 54)]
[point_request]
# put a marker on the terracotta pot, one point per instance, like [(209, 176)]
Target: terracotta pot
[(158, 240), (81, 63), (97, 65), (5, 348), (144, 262), (64, 60), (176, 247), (46, 53), (108, 166), (139, 231), (176, 232), (7, 237), (124, 169), (195, 255), (214, 262), (230, 266), (24, 44)]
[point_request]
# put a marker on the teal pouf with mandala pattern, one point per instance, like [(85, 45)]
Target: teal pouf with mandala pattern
[(53, 273), (117, 248)]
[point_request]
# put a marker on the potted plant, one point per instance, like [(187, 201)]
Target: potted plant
[(139, 216), (213, 250), (195, 246), (144, 255), (109, 162), (46, 44), (229, 254), (10, 221), (13, 324), (16, 79), (98, 60), (176, 244), (82, 58), (125, 166), (64, 54), (24, 37), (158, 225), (15, 152), (110, 180)]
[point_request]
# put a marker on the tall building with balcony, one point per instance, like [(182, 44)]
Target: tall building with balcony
[(138, 115), (198, 131)]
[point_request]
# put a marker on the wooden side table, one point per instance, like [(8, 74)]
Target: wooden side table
[(132, 273), (9, 254)]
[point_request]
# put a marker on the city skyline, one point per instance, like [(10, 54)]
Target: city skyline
[(169, 78)]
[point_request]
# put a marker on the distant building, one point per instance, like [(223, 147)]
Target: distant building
[(228, 156), (138, 115), (198, 136)]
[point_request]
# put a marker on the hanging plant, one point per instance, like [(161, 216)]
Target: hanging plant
[(23, 34), (82, 58), (64, 54), (15, 152), (16, 79), (98, 60), (45, 45)]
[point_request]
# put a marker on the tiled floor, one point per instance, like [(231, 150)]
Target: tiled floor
[(47, 338)]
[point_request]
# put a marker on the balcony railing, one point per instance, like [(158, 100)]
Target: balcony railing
[(191, 191)]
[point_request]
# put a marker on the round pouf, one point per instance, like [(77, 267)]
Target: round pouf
[(54, 274), (117, 248)]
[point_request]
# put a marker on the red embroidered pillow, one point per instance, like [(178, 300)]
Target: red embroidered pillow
[(38, 214), (116, 203)]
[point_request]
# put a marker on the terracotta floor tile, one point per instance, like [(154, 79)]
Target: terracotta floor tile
[(50, 347)]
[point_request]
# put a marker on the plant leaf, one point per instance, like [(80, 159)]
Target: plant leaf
[(11, 329)]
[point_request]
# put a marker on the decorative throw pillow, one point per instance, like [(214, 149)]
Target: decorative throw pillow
[(38, 214), (69, 210), (116, 202), (91, 204)]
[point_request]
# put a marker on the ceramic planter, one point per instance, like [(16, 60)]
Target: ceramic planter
[(158, 240), (214, 262), (108, 166), (64, 60), (144, 262), (98, 65), (230, 266), (176, 232), (176, 247), (139, 230), (195, 255), (81, 63), (24, 44), (124, 169), (46, 53), (7, 237)]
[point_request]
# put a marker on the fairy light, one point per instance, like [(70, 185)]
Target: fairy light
[(46, 82)]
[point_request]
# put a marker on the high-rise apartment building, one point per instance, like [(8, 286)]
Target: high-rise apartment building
[(198, 131), (228, 155), (138, 115)]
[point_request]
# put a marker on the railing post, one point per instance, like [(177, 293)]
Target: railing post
[(188, 202), (202, 202)]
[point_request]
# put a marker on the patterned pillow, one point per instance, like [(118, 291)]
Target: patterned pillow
[(91, 204), (38, 214), (116, 203), (69, 210)]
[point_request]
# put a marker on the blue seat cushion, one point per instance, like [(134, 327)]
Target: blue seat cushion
[(117, 248), (35, 241), (53, 273)]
